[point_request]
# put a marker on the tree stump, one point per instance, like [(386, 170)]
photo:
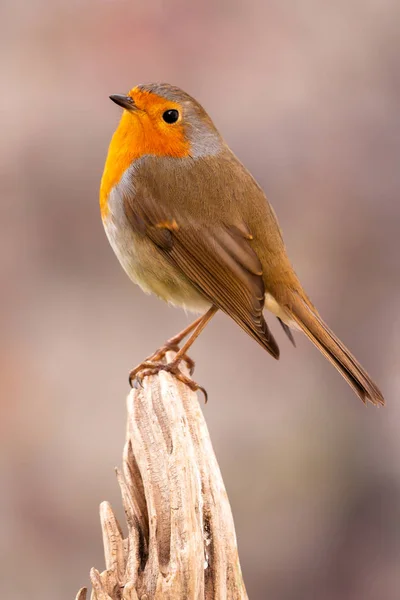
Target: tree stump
[(181, 541)]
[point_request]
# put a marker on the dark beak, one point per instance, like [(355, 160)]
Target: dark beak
[(124, 101)]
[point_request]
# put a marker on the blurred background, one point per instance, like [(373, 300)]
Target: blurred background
[(307, 94)]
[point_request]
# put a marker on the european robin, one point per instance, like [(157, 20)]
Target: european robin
[(189, 223)]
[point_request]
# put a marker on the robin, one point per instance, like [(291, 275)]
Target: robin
[(190, 224)]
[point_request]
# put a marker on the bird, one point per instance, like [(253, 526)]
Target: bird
[(190, 224)]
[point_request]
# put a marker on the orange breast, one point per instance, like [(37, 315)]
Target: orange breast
[(139, 133)]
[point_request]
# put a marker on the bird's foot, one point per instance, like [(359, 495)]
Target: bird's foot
[(148, 367), (169, 346)]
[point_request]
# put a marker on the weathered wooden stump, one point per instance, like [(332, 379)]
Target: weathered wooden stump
[(181, 541)]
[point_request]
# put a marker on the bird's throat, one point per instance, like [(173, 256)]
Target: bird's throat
[(136, 136)]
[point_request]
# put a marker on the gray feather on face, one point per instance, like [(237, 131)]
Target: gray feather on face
[(201, 132)]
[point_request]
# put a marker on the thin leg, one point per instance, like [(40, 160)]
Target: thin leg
[(202, 322), (151, 368), (179, 337), (171, 344)]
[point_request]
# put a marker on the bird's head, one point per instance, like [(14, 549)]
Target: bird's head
[(158, 120), (162, 120)]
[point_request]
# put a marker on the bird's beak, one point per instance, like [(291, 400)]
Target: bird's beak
[(125, 101)]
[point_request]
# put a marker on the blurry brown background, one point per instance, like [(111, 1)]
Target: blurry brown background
[(307, 94)]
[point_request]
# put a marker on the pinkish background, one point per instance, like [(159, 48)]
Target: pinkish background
[(307, 94)]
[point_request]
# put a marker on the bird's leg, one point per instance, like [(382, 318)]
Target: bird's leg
[(173, 344), (151, 368), (170, 345)]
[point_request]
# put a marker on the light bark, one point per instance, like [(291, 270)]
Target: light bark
[(180, 541)]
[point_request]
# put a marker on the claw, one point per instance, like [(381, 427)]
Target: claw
[(189, 363), (134, 374), (136, 383), (154, 360), (148, 368), (173, 368), (203, 390)]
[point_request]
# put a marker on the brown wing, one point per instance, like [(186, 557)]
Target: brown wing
[(217, 259)]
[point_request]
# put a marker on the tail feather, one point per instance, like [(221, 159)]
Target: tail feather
[(288, 331), (334, 350)]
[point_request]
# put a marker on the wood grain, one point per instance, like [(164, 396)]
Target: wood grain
[(180, 541)]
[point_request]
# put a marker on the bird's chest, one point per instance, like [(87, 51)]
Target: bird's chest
[(138, 256), (144, 263)]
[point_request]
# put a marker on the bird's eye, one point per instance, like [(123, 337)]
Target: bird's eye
[(171, 116)]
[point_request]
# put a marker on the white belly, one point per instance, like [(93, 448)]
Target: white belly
[(145, 264)]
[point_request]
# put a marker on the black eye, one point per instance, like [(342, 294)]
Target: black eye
[(171, 116)]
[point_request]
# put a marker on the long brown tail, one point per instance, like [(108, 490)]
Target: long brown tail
[(325, 340)]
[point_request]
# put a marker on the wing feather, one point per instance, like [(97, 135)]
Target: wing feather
[(218, 259)]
